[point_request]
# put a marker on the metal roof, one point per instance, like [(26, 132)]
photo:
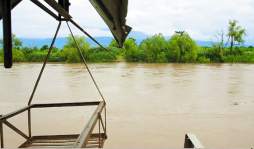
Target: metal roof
[(114, 14)]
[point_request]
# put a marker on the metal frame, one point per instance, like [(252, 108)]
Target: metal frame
[(61, 7), (82, 140)]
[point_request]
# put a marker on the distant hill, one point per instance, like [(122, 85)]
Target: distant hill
[(105, 41), (60, 42)]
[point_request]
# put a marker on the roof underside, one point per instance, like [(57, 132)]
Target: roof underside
[(114, 14)]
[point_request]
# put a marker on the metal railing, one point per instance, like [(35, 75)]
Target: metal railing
[(84, 135)]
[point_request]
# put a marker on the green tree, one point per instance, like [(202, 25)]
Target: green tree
[(236, 33), (155, 48), (182, 48), (132, 52), (16, 42), (1, 43), (70, 51), (113, 44), (44, 47)]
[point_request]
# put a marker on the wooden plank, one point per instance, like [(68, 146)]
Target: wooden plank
[(74, 104), (191, 141), (84, 136)]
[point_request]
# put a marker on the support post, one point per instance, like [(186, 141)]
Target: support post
[(99, 122), (1, 133), (29, 124), (7, 32)]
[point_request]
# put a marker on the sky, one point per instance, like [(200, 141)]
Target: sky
[(202, 19)]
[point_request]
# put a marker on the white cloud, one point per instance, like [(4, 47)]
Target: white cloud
[(201, 18)]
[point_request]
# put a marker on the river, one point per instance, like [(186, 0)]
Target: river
[(149, 105)]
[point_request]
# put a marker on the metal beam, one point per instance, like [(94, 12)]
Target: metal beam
[(7, 116), (75, 104), (39, 4), (59, 9), (65, 4), (29, 123), (16, 129), (84, 136), (44, 63), (1, 133), (87, 34)]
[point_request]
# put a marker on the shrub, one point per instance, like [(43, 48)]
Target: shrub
[(18, 56), (100, 55), (1, 56)]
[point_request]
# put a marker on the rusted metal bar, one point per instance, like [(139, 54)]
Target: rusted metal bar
[(87, 34), (44, 63), (102, 124), (10, 115), (191, 141), (99, 133), (1, 133), (29, 123), (15, 129), (39, 4), (84, 136), (74, 104), (58, 8), (105, 119), (4, 117)]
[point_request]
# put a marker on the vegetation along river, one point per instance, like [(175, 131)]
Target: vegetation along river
[(149, 105)]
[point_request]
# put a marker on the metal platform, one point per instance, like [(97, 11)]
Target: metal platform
[(63, 141), (86, 139)]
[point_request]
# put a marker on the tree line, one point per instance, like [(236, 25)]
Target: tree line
[(180, 48)]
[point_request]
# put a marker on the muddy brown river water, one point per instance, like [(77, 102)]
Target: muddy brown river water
[(149, 105)]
